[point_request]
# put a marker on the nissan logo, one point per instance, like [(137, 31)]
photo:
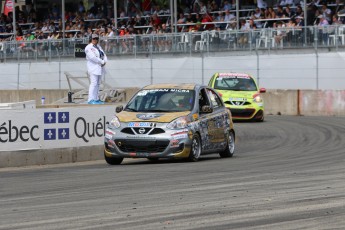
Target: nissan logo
[(141, 130)]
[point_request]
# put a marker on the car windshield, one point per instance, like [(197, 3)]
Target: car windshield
[(235, 83), (162, 100)]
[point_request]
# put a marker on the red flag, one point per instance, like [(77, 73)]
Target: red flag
[(8, 7)]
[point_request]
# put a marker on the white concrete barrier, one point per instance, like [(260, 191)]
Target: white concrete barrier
[(19, 105)]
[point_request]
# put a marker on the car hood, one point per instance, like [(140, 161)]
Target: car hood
[(125, 116), (226, 94)]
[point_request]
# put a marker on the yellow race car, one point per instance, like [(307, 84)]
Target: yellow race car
[(240, 94)]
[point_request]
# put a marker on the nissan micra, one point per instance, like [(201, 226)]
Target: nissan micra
[(170, 121), (241, 95)]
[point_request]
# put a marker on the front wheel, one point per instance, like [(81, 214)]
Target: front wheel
[(195, 151), (113, 160), (230, 147)]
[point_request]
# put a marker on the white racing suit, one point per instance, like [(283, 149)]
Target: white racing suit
[(95, 59)]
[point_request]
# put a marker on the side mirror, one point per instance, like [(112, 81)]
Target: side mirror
[(206, 109), (262, 90), (119, 108)]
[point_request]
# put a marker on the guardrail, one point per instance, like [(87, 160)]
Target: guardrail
[(184, 42)]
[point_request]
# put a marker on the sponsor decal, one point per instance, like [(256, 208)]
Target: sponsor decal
[(111, 143), (233, 75), (63, 133), (51, 129), (146, 91), (63, 117), (86, 130), (180, 135), (49, 134), (174, 143), (141, 137), (56, 133), (195, 116), (109, 134), (149, 116), (10, 132), (141, 130), (237, 99), (49, 118), (141, 124)]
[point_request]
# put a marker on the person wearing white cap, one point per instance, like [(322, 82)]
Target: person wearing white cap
[(96, 60)]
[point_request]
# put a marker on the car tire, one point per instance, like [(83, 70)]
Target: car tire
[(113, 160), (195, 150), (261, 119), (230, 147)]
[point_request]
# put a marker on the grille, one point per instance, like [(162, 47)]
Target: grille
[(242, 112), (147, 146), (237, 102), (149, 131)]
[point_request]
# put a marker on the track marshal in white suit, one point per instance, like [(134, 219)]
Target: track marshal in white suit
[(96, 60)]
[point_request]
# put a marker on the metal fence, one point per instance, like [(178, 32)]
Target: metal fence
[(186, 43)]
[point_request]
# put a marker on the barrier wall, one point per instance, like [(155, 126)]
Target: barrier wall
[(275, 70), (72, 133)]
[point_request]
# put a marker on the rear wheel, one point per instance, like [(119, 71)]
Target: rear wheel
[(230, 147), (195, 151), (113, 160)]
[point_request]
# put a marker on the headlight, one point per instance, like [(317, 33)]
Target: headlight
[(257, 98), (115, 122), (179, 123)]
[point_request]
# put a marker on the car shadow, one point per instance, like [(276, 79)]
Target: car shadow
[(141, 161)]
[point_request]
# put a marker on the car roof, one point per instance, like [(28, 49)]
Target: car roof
[(172, 86)]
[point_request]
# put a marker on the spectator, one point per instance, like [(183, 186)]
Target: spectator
[(81, 8), (299, 11), (280, 32), (335, 21), (326, 12), (270, 13), (229, 16), (243, 37), (280, 12), (299, 21), (206, 19), (45, 27), (203, 9), (261, 4), (226, 6), (286, 2), (323, 29), (288, 13), (258, 14), (213, 6)]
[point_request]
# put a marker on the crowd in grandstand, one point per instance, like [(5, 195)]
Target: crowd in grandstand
[(198, 16)]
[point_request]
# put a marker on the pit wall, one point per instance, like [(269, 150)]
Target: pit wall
[(52, 134)]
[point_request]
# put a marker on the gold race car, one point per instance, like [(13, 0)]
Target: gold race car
[(170, 121)]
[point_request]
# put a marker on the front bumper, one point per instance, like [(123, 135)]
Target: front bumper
[(170, 144), (246, 113)]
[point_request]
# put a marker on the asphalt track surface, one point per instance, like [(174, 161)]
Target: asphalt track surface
[(288, 173)]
